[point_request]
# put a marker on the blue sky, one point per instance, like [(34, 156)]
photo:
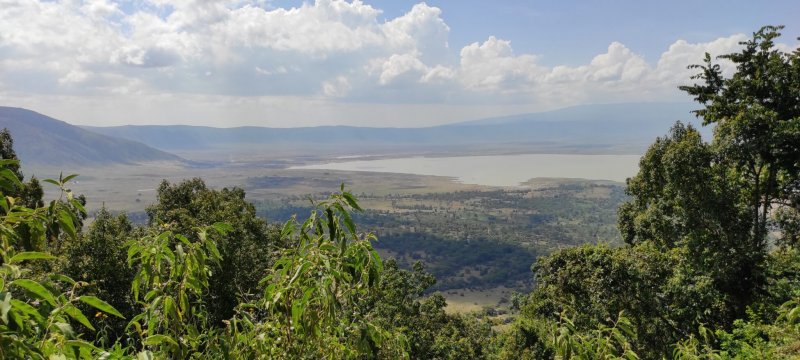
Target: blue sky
[(571, 31), (371, 63)]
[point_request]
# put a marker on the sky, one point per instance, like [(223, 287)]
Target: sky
[(390, 63)]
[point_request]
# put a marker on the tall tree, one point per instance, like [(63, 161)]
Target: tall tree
[(757, 116)]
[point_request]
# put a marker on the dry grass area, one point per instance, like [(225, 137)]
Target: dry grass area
[(132, 187)]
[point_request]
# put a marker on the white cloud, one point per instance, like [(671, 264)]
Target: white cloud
[(492, 66), (98, 9), (335, 50), (336, 88)]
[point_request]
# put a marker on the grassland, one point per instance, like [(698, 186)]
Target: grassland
[(478, 241)]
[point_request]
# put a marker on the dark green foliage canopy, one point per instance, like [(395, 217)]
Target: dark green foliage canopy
[(696, 228), (247, 250)]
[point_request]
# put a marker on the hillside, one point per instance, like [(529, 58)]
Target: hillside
[(39, 139), (629, 125)]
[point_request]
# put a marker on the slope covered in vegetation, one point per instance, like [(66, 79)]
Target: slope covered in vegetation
[(47, 141)]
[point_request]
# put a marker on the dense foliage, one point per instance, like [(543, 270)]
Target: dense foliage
[(710, 268)]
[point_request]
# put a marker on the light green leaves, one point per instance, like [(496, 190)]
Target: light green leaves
[(153, 340), (30, 255), (5, 307), (77, 315), (36, 289), (100, 305)]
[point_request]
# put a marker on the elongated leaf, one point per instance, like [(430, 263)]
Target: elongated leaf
[(793, 314), (65, 329), (81, 344), (78, 316), (297, 311), (30, 255), (51, 181), (100, 305), (158, 340), (351, 200), (348, 222), (5, 307), (222, 227), (212, 248), (62, 278), (77, 204), (288, 228), (37, 289), (10, 176), (65, 220), (67, 178), (27, 310)]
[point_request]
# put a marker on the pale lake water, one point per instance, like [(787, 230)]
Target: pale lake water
[(500, 170)]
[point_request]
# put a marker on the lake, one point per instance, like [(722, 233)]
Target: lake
[(500, 170)]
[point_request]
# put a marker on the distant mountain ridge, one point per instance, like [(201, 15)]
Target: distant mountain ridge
[(634, 125), (40, 139)]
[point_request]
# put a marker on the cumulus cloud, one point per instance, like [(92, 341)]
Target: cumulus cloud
[(492, 66), (328, 50)]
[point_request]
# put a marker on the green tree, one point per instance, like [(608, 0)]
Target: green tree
[(594, 283), (30, 193), (399, 302), (757, 116), (171, 280), (314, 300), (247, 250), (97, 257), (698, 217), (39, 318), (683, 199)]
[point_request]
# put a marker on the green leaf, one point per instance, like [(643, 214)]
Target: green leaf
[(10, 176), (212, 248), (133, 250), (297, 311), (78, 316), (81, 344), (288, 228), (27, 310), (63, 278), (77, 204), (158, 340), (68, 178), (183, 239), (5, 306), (37, 289), (793, 315), (100, 305), (348, 222), (145, 355), (30, 255), (222, 227), (351, 200), (65, 219), (51, 181), (65, 329), (7, 162)]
